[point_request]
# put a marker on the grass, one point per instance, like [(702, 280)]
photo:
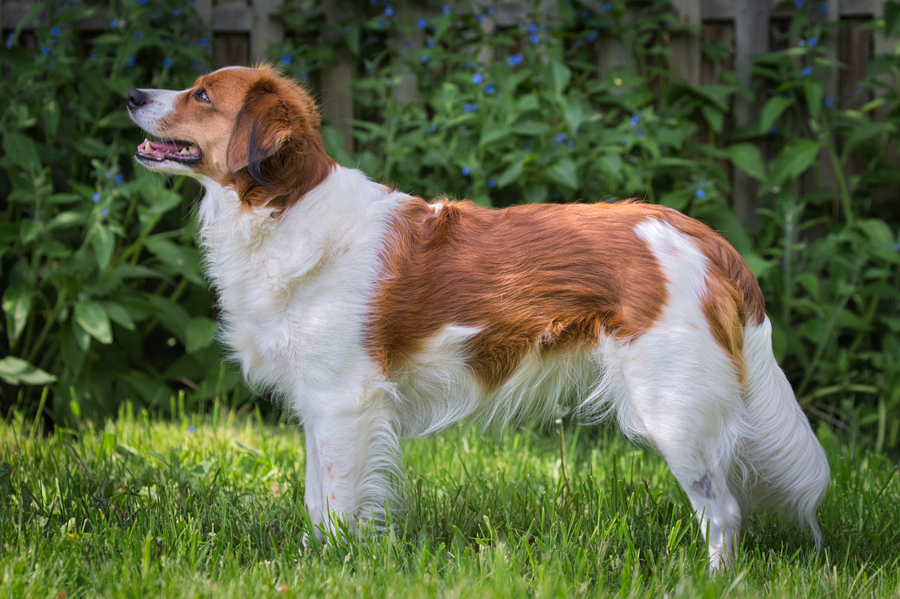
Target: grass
[(213, 507)]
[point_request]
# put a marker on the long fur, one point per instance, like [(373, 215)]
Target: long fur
[(377, 316)]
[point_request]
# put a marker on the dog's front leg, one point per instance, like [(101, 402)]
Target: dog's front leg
[(352, 452)]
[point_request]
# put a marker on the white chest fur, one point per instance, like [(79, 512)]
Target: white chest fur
[(294, 288)]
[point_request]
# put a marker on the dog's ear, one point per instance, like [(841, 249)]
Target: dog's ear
[(262, 127)]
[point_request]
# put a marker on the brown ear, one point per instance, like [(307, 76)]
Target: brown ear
[(261, 128)]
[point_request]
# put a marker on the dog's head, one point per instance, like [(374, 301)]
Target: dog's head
[(249, 129)]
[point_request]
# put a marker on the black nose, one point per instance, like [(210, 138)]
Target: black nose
[(136, 98)]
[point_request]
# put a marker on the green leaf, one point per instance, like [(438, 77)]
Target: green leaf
[(714, 117), (748, 158), (573, 113), (794, 159), (201, 332), (20, 149), (813, 89), (512, 172), (891, 18), (16, 371), (17, 305), (493, 133), (103, 241), (92, 318), (559, 76), (178, 259), (564, 173), (118, 314), (771, 111), (536, 194)]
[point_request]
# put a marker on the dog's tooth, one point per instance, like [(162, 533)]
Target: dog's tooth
[(194, 149), (183, 151)]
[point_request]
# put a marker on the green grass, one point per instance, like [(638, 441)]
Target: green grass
[(148, 508)]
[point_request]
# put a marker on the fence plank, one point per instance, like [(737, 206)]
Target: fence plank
[(751, 29), (265, 29), (685, 57)]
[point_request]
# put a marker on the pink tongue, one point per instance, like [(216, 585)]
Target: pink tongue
[(165, 146)]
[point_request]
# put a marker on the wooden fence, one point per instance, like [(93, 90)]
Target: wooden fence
[(242, 29)]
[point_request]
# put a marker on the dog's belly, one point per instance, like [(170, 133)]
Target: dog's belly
[(439, 388)]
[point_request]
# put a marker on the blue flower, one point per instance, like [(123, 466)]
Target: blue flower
[(167, 62), (446, 9), (801, 44), (607, 7), (490, 10), (535, 38), (45, 50), (624, 141), (477, 78), (55, 32), (639, 133), (806, 72), (105, 212), (533, 28), (93, 57), (466, 171), (119, 179), (592, 37), (131, 61), (492, 183), (470, 107), (138, 35), (191, 428), (561, 138), (829, 101), (514, 60), (425, 59), (813, 42), (304, 74), (490, 88), (464, 129), (585, 14), (9, 41), (422, 23), (407, 45), (897, 247), (144, 2), (176, 12), (798, 4), (73, 4), (775, 130), (570, 143), (113, 24), (431, 43), (96, 197), (204, 42), (389, 12), (480, 18), (433, 129), (823, 8), (700, 194), (526, 148), (634, 120), (286, 58)]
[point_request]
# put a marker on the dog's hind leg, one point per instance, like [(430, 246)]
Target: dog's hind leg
[(685, 400)]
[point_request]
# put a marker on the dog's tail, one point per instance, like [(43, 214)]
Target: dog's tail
[(782, 463)]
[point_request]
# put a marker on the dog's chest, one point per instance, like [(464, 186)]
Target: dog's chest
[(293, 296)]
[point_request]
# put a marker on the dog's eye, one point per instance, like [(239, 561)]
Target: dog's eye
[(200, 96)]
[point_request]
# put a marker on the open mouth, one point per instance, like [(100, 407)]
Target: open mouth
[(177, 151)]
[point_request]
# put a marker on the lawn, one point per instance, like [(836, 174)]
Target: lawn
[(212, 506)]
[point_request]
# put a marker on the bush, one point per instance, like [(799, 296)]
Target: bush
[(500, 116)]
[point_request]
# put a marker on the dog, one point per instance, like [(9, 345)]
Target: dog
[(379, 316)]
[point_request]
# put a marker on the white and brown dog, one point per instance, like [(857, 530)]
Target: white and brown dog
[(379, 316)]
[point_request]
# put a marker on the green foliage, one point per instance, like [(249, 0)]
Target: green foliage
[(107, 295), (212, 507), (102, 293)]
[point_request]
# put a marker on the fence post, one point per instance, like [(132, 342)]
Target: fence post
[(336, 101), (265, 29), (684, 50), (751, 32)]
